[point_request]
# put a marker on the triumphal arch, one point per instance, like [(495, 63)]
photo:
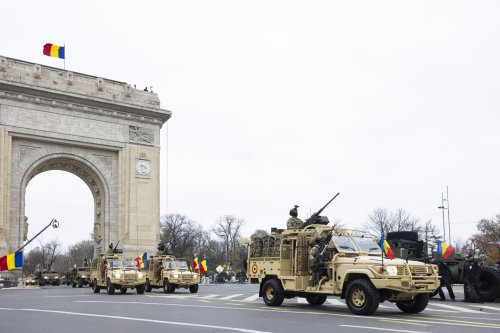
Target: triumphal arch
[(103, 131)]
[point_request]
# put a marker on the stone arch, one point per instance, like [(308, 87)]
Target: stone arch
[(87, 172)]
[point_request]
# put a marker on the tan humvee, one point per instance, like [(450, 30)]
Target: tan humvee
[(78, 276), (46, 277), (349, 264), (116, 272), (170, 273)]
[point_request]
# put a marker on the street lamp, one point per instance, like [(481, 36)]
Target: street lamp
[(442, 207)]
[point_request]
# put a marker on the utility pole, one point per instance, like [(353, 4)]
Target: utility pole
[(442, 207), (448, 203)]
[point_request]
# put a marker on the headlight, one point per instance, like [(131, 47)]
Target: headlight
[(379, 269), (118, 275), (176, 276), (140, 275), (57, 277), (46, 277), (195, 276), (391, 270), (83, 276)]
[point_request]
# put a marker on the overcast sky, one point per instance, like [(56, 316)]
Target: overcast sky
[(277, 103)]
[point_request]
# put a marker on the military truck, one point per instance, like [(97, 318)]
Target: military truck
[(78, 276), (349, 264), (170, 273), (406, 244), (46, 277), (113, 271)]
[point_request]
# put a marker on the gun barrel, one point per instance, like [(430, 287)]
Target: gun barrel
[(319, 211)]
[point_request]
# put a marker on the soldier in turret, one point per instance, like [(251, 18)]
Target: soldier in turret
[(160, 249), (294, 222), (110, 249)]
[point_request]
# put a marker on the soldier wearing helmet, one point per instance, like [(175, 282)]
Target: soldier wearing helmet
[(294, 222), (160, 249)]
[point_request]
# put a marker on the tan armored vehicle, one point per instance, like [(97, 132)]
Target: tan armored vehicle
[(78, 276), (170, 273), (113, 272), (47, 277), (317, 261)]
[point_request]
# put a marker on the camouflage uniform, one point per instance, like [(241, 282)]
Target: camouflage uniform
[(294, 223), (313, 263)]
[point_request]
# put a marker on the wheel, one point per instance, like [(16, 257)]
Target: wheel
[(123, 290), (58, 283), (416, 305), (489, 286), (316, 299), (193, 289), (80, 283), (73, 284), (148, 286), (273, 293), (140, 289), (168, 288), (41, 283), (95, 287), (110, 288), (361, 297)]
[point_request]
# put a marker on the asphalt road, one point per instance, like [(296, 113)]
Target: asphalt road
[(222, 308)]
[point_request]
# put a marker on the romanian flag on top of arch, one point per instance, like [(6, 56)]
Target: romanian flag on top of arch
[(444, 250), (386, 248), (52, 50), (11, 261)]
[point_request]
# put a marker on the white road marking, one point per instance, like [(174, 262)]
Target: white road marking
[(456, 308), (228, 328), (381, 329), (251, 298), (425, 320), (231, 296), (335, 301), (208, 296), (487, 307)]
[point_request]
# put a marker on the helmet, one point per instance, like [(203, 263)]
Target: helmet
[(293, 211)]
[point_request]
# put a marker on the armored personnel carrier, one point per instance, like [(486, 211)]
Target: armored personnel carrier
[(170, 273), (112, 271)]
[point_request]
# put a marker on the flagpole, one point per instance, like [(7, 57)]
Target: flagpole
[(64, 45)]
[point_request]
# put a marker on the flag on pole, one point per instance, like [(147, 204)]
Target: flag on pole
[(195, 264), (11, 261), (141, 260), (386, 248), (444, 250), (52, 50), (204, 266)]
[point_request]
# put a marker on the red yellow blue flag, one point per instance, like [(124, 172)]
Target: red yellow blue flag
[(384, 245), (444, 250), (52, 50), (11, 261)]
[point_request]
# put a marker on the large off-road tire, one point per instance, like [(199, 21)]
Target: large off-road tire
[(58, 283), (316, 299), (168, 288), (95, 287), (123, 291), (416, 305), (73, 284), (80, 283), (110, 288), (408, 235), (41, 283), (489, 284), (361, 297), (272, 293), (140, 289), (193, 289), (148, 286)]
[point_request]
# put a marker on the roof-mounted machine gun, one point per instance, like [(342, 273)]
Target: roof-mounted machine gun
[(316, 218)]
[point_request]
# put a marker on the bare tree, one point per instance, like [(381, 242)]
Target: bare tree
[(401, 220), (228, 229), (81, 251), (182, 235), (430, 233), (378, 222), (258, 234)]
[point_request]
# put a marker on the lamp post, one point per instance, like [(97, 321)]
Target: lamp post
[(442, 207)]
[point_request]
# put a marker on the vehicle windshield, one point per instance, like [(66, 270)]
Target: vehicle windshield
[(125, 263), (344, 243), (175, 264), (367, 244), (83, 269)]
